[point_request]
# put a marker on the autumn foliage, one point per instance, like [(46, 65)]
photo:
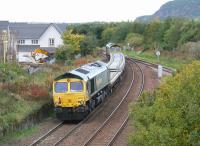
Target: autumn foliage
[(169, 116)]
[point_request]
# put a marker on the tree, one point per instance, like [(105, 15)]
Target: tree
[(72, 40), (188, 32), (88, 45), (154, 33), (107, 35), (134, 39), (170, 115), (121, 32), (139, 28), (71, 46), (172, 35)]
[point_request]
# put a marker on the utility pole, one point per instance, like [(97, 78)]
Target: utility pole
[(5, 44)]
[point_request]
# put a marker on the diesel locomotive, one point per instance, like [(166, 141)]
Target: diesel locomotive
[(78, 92)]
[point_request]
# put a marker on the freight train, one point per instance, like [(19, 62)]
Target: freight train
[(78, 92)]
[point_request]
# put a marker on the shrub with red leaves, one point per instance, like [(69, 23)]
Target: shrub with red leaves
[(28, 92), (80, 62), (37, 92)]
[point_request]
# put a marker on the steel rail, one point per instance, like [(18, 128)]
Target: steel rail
[(126, 119), (95, 112), (154, 65), (113, 112), (44, 136), (51, 131)]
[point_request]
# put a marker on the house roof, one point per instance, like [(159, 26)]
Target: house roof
[(61, 26), (31, 30), (27, 48), (31, 48), (28, 31), (4, 25)]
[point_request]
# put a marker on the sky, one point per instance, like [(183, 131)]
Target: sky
[(76, 11)]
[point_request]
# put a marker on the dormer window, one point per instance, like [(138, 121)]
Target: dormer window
[(34, 41), (51, 41), (21, 42)]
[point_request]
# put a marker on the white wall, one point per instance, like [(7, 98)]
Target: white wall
[(51, 32)]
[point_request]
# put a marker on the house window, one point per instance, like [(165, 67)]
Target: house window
[(34, 41), (21, 42), (51, 41)]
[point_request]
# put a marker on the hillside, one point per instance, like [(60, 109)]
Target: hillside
[(176, 8)]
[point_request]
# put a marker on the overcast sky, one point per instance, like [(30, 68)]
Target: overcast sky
[(76, 10)]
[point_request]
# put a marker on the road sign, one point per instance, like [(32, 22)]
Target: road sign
[(157, 53)]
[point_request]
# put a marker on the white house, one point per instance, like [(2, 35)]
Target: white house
[(30, 36), (45, 36)]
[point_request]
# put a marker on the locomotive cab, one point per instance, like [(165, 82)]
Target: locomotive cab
[(70, 92), (69, 97), (76, 93)]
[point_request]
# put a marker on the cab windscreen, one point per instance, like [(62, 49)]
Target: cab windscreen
[(76, 87), (61, 87)]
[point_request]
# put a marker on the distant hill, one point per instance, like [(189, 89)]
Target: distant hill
[(176, 8)]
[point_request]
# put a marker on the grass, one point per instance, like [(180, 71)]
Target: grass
[(14, 107), (19, 134), (167, 61), (14, 110), (16, 103)]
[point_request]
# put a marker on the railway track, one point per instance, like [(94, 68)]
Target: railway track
[(41, 138), (126, 119), (61, 125), (124, 124), (91, 116), (64, 138), (96, 137), (68, 129), (59, 142), (153, 65), (71, 130), (118, 129)]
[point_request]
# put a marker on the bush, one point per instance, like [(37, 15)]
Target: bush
[(38, 92), (9, 72), (134, 39), (80, 62), (170, 115)]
